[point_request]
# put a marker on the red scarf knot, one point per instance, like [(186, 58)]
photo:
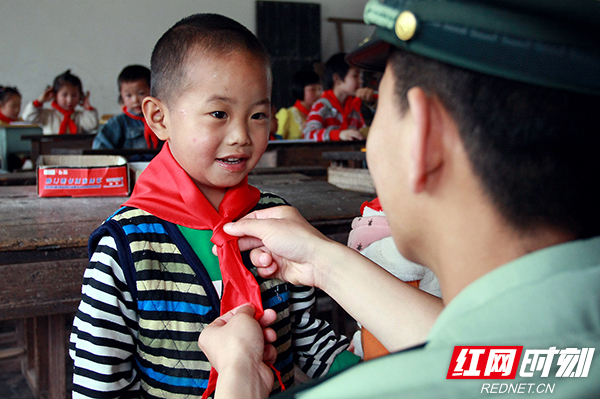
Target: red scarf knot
[(6, 119), (350, 104), (67, 123), (219, 237), (301, 108)]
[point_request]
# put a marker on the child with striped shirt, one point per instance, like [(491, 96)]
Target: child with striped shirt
[(153, 283)]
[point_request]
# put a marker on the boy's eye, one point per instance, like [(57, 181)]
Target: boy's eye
[(259, 115), (219, 114)]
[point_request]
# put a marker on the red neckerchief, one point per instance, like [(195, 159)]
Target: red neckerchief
[(165, 190), (67, 122), (301, 108), (151, 139), (5, 118), (351, 103)]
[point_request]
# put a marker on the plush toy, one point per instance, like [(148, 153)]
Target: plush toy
[(371, 236)]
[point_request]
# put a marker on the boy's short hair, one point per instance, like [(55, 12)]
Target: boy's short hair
[(200, 32), (66, 78), (301, 79), (335, 65), (132, 73), (7, 92), (534, 149)]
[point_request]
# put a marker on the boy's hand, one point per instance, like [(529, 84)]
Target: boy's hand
[(238, 346), (86, 101), (350, 135), (47, 95), (366, 94)]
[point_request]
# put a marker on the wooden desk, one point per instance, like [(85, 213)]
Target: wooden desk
[(132, 155), (58, 144), (303, 152), (280, 153), (43, 255), (11, 140)]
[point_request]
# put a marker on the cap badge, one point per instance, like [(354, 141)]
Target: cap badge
[(406, 25)]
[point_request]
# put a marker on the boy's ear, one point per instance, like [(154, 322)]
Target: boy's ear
[(156, 114), (337, 78), (427, 140)]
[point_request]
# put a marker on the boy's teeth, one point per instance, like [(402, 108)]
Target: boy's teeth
[(231, 160)]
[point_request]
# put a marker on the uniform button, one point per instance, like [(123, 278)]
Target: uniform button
[(406, 25)]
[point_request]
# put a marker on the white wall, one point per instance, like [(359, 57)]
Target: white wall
[(40, 39)]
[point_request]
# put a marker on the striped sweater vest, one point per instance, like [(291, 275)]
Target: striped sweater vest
[(176, 300)]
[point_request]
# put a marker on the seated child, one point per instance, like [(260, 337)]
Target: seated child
[(62, 118), (129, 130), (153, 282), (336, 115), (10, 105), (371, 236), (306, 88)]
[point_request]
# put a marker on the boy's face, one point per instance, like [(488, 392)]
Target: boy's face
[(218, 128), (350, 83), (11, 107), (312, 93), (132, 94), (68, 96)]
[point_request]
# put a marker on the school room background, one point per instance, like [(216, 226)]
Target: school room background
[(97, 38)]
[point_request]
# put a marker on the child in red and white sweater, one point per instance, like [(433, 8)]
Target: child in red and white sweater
[(62, 118), (336, 115)]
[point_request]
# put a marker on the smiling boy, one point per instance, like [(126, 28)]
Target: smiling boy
[(153, 282), (129, 130)]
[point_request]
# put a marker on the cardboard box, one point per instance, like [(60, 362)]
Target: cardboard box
[(135, 170), (82, 176)]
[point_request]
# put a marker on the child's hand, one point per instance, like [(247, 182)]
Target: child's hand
[(47, 95), (350, 135), (86, 101), (238, 346), (366, 94)]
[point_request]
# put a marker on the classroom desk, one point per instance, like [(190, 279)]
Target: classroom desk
[(58, 144), (43, 255), (279, 153), (304, 152)]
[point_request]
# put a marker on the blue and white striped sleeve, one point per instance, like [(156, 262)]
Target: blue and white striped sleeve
[(315, 343), (105, 330)]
